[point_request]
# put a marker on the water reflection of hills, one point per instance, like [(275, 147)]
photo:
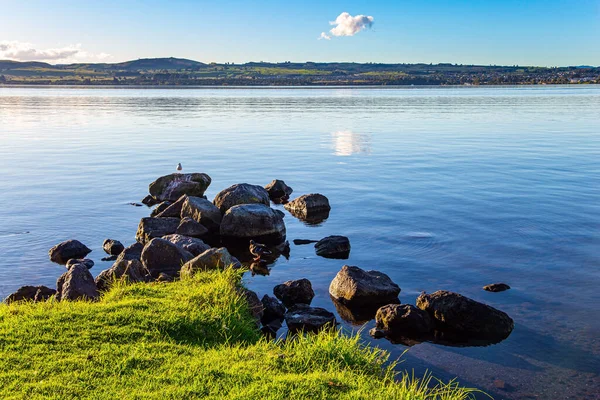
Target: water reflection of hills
[(346, 143)]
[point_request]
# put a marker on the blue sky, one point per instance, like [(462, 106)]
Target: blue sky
[(534, 32)]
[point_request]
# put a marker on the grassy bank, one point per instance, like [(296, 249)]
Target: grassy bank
[(193, 338)]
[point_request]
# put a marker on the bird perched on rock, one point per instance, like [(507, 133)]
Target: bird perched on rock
[(179, 167), (258, 250)]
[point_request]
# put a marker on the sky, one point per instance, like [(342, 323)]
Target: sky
[(485, 32)]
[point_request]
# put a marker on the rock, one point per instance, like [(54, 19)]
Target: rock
[(273, 310), (403, 320), (202, 211), (310, 208), (160, 208), (172, 187), (496, 287), (136, 204), (376, 333), (63, 252), (354, 286), (462, 315), (299, 242), (333, 247), (193, 245), (278, 190), (303, 318), (129, 271), (192, 228), (162, 277), (356, 314), (30, 293), (242, 193), (150, 228), (113, 247), (499, 384), (211, 259), (294, 292), (75, 284), (253, 221), (254, 304), (174, 210), (85, 261), (133, 252), (150, 201), (160, 255)]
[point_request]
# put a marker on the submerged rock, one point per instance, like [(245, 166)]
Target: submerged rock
[(173, 210), (130, 271), (160, 255), (452, 311), (496, 287), (203, 212), (354, 286), (242, 193), (150, 228), (304, 318), (172, 187), (193, 245), (278, 191), (63, 252), (253, 221), (211, 259), (112, 247), (333, 247), (357, 314), (76, 284), (30, 293), (403, 320), (311, 208), (192, 228), (85, 261), (294, 292)]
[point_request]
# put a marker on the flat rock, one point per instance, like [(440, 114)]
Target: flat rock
[(172, 187), (191, 228), (112, 247), (253, 221), (303, 318), (214, 258), (403, 320), (151, 227), (63, 252), (294, 292), (354, 286), (333, 247), (241, 193), (30, 293), (193, 245), (202, 211), (496, 287), (129, 271), (160, 255), (76, 284)]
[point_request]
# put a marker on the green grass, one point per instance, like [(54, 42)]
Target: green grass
[(193, 338)]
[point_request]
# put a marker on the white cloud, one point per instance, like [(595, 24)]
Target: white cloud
[(324, 36), (22, 51), (347, 25)]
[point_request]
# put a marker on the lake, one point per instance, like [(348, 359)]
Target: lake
[(440, 188)]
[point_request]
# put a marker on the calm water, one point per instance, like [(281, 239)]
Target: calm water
[(440, 188)]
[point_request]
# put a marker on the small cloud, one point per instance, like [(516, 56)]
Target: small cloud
[(347, 25), (22, 51), (324, 36)]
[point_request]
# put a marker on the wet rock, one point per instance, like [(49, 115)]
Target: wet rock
[(496, 287), (136, 204), (150, 201), (211, 259), (310, 208), (160, 208), (254, 304), (403, 320), (30, 293), (150, 228), (460, 314), (242, 193), (203, 212), (193, 245), (63, 252), (272, 309), (299, 242), (354, 286), (278, 191), (294, 292), (129, 271), (172, 187), (356, 314), (76, 284), (133, 252), (112, 247), (253, 221), (191, 228), (333, 247), (174, 210), (303, 318), (85, 261), (160, 255)]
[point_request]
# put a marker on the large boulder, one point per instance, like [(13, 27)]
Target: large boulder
[(333, 247), (160, 255), (211, 259), (193, 245), (356, 287), (133, 252), (173, 210), (310, 208), (150, 228), (294, 292), (123, 271), (304, 318), (30, 293), (457, 313), (278, 191), (112, 247), (172, 187), (77, 284), (202, 211), (242, 193), (403, 320), (63, 252), (191, 228), (253, 221)]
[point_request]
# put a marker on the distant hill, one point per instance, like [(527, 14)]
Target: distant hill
[(9, 64), (143, 64)]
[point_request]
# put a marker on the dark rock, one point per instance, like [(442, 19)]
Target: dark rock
[(172, 187), (192, 228), (310, 208), (357, 314), (113, 247), (63, 252), (150, 201), (303, 318), (294, 292), (150, 228), (109, 258), (136, 204), (193, 245), (299, 242), (272, 309), (377, 333), (30, 293), (254, 304), (160, 255), (160, 208), (242, 193), (162, 277), (85, 261), (131, 271), (211, 259), (278, 190), (403, 320), (253, 221), (133, 252), (496, 287), (354, 286), (75, 284), (462, 315), (202, 211), (333, 247), (174, 210)]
